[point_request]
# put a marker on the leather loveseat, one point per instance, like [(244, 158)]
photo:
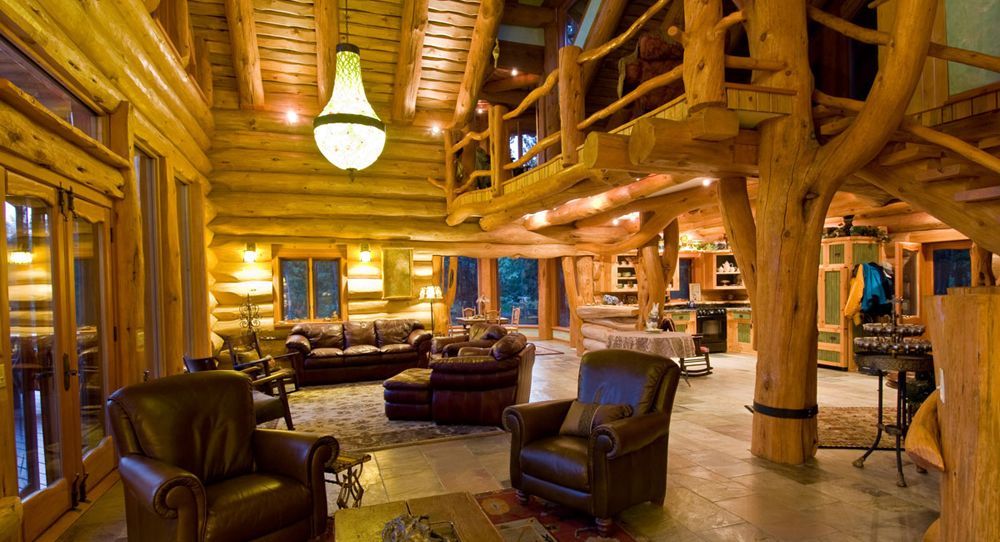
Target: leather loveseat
[(196, 468), (331, 353), (480, 335)]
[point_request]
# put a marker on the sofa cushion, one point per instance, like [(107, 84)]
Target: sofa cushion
[(358, 334), (582, 418), (559, 460), (324, 363), (393, 331), (360, 349), (508, 346), (235, 506), (329, 335), (397, 348), (326, 353)]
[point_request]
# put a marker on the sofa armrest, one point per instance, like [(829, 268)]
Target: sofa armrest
[(294, 454), (418, 336), (298, 343), (166, 490), (627, 435), (473, 351), (532, 421), (439, 343)]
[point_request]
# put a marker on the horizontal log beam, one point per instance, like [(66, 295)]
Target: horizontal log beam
[(275, 205), (414, 188), (671, 146)]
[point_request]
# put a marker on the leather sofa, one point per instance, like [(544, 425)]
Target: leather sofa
[(621, 463), (331, 353), (195, 467), (480, 335)]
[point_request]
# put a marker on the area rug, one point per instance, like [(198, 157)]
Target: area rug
[(355, 414), (541, 521), (853, 427), (544, 351)]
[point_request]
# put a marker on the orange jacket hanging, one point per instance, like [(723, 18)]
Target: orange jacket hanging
[(852, 309)]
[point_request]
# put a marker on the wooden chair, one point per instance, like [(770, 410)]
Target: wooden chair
[(515, 320), (468, 312), (492, 316), (240, 345), (266, 405), (700, 364)]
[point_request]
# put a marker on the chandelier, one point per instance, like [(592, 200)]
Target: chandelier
[(348, 132)]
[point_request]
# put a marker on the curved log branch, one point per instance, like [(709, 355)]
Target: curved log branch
[(661, 80), (534, 96), (741, 230), (589, 206), (888, 98), (602, 51)]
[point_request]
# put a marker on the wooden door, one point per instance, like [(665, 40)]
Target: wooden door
[(907, 266)]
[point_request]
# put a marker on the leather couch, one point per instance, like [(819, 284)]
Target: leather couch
[(331, 353), (480, 335), (621, 463), (475, 386), (195, 467)]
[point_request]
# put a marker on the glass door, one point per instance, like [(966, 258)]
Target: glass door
[(58, 275)]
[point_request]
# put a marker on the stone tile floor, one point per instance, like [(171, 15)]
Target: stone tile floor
[(716, 489)]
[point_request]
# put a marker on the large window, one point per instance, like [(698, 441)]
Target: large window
[(26, 75), (517, 279), (149, 331), (561, 301), (468, 284), (521, 143), (682, 290), (309, 288), (952, 269)]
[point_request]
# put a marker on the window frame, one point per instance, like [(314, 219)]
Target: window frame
[(278, 254)]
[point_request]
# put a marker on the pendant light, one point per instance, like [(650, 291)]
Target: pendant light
[(348, 132)]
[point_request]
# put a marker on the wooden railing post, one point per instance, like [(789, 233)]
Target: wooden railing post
[(571, 105), (449, 168), (704, 53), (499, 149)]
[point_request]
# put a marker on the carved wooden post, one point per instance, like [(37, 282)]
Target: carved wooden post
[(704, 53), (573, 300), (499, 148), (652, 282), (982, 266), (571, 104), (671, 251), (966, 336), (449, 168)]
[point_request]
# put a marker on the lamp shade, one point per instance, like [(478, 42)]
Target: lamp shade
[(431, 293), (348, 132), (20, 257)]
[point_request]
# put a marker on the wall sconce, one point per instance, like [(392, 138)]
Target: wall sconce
[(250, 253), (366, 253)]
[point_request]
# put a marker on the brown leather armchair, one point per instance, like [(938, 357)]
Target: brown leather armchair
[(623, 462), (195, 467), (480, 335)]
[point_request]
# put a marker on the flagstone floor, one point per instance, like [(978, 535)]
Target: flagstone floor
[(716, 489)]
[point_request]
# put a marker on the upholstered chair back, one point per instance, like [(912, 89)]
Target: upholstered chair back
[(624, 377), (200, 422)]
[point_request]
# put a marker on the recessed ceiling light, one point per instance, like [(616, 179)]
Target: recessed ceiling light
[(435, 129), (514, 72), (291, 116)]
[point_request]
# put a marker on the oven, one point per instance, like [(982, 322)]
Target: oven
[(712, 328)]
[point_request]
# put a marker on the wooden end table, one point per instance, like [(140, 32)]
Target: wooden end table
[(461, 509)]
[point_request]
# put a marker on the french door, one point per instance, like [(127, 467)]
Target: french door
[(58, 270)]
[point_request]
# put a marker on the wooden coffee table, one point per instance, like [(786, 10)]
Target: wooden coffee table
[(365, 524)]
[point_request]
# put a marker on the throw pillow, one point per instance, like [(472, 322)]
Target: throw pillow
[(582, 418), (508, 346)]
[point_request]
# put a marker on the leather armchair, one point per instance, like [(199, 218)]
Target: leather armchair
[(480, 335), (475, 386), (195, 467), (621, 463)]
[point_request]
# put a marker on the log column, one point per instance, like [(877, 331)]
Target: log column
[(965, 333), (571, 104), (499, 148), (982, 266), (704, 54)]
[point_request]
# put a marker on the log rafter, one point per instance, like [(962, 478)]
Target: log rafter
[(246, 54), (409, 64), (478, 62)]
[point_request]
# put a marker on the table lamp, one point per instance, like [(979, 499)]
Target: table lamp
[(431, 294)]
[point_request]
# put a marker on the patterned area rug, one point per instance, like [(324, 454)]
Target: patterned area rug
[(355, 414), (541, 521), (853, 427)]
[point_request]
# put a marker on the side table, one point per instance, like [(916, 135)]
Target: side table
[(346, 473), (881, 365)]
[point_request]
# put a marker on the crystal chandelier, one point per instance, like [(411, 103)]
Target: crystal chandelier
[(348, 132)]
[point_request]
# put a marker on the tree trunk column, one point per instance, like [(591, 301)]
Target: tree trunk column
[(704, 54), (571, 106)]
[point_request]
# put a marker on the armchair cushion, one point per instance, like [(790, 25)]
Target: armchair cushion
[(244, 507), (490, 332), (583, 418), (473, 351), (438, 344), (359, 333), (561, 460), (508, 346), (624, 436)]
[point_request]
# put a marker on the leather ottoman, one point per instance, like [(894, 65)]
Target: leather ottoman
[(408, 395)]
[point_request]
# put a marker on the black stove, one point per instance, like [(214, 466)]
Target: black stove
[(712, 328)]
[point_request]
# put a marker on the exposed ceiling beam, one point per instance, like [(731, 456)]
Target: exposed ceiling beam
[(479, 61), (327, 37), (246, 55), (525, 15), (408, 65)]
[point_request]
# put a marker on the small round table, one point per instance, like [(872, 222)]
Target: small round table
[(881, 365)]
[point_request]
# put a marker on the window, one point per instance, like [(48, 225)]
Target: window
[(31, 78), (309, 288), (467, 284), (561, 301), (146, 173), (517, 280), (575, 21), (520, 144), (682, 290), (952, 269), (187, 271)]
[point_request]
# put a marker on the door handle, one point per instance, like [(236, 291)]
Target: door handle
[(67, 372)]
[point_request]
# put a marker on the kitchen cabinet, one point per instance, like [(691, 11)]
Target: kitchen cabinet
[(739, 334), (838, 257)]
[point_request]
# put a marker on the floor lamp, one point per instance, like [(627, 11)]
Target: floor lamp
[(431, 294)]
